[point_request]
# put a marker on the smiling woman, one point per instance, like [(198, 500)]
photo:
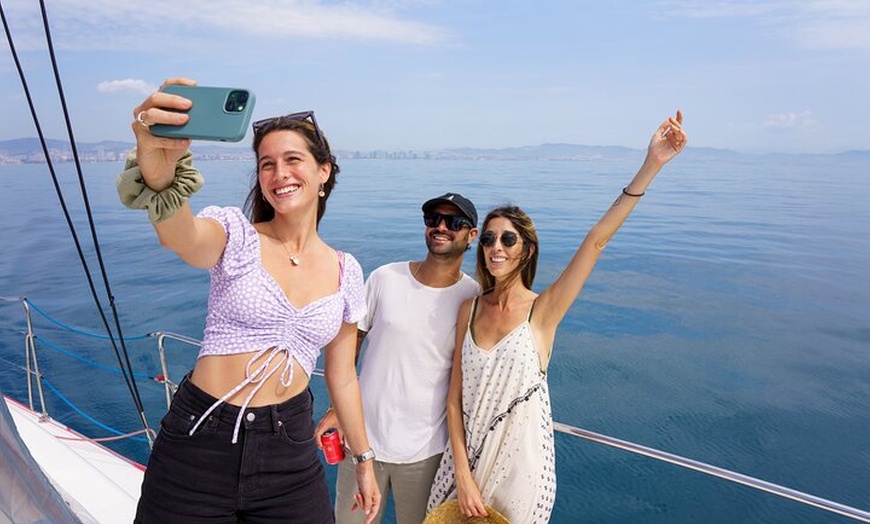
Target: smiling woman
[(502, 453), (271, 310)]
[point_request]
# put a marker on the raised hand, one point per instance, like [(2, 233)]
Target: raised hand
[(668, 140), (157, 156)]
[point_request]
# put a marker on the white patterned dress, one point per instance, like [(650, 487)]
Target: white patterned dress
[(508, 429)]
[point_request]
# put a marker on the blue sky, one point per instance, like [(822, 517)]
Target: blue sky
[(754, 75)]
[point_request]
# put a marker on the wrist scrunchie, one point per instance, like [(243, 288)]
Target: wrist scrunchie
[(160, 204)]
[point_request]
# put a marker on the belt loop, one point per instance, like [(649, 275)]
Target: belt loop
[(183, 385), (215, 416), (276, 421)]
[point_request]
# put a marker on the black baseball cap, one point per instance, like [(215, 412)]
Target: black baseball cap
[(463, 204)]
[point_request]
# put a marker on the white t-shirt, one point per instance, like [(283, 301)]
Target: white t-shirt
[(405, 368)]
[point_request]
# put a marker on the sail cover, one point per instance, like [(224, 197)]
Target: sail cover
[(26, 495)]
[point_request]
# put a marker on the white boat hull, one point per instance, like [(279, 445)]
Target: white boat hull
[(99, 485)]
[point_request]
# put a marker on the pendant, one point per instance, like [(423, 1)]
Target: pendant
[(294, 259)]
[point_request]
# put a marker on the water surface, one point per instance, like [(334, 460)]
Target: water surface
[(726, 322)]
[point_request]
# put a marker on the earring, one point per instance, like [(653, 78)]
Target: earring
[(321, 193)]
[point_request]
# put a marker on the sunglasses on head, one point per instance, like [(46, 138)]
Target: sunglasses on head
[(508, 239), (277, 120), (453, 222)]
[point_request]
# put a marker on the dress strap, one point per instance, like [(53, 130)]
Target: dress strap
[(529, 317), (469, 329), (473, 311)]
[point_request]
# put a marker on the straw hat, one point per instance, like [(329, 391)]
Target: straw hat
[(448, 513)]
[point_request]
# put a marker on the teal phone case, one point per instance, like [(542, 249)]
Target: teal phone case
[(217, 113)]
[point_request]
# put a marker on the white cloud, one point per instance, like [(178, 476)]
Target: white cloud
[(802, 120), (841, 34), (146, 24), (722, 9), (127, 84), (816, 24), (312, 20)]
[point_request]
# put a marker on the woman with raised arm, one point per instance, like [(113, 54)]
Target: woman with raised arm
[(237, 444), (501, 453)]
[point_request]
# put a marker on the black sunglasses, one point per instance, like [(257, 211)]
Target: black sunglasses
[(276, 120), (508, 239), (453, 222)]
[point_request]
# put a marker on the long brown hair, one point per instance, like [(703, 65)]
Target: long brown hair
[(526, 229), (256, 206)]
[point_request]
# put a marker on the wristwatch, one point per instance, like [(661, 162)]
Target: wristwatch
[(366, 455)]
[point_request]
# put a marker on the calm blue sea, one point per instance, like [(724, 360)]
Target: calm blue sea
[(727, 321)]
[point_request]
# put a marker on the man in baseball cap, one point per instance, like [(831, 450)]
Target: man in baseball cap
[(405, 370), (462, 204)]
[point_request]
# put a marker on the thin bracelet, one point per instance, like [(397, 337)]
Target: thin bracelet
[(626, 193)]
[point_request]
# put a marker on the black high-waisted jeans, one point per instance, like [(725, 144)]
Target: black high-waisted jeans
[(273, 474)]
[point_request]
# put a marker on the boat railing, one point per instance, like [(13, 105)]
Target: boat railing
[(34, 380), (169, 386), (34, 377), (739, 478)]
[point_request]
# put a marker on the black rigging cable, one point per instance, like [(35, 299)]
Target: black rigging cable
[(123, 362)]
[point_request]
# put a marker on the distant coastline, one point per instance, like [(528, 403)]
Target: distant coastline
[(29, 151)]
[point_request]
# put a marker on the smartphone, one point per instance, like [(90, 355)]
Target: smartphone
[(217, 113)]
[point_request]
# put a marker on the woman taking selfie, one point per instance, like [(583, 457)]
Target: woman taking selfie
[(237, 443)]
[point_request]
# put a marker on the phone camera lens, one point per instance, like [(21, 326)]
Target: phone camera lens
[(236, 101)]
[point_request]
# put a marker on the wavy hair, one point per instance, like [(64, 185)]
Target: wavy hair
[(526, 229), (256, 206)]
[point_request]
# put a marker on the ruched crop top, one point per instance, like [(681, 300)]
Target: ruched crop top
[(248, 311)]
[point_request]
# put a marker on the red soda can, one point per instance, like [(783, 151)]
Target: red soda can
[(332, 449)]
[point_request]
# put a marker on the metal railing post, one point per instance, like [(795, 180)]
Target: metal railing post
[(32, 362)]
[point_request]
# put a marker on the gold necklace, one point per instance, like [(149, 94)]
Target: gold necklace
[(294, 259), (414, 275)]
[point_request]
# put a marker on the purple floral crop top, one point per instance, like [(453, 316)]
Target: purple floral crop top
[(248, 311)]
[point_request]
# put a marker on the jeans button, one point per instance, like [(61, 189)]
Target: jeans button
[(250, 417)]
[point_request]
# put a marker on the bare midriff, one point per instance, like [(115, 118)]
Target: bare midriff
[(218, 374)]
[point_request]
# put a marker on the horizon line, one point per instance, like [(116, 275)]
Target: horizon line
[(240, 145)]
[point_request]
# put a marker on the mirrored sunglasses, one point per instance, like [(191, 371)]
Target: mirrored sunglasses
[(277, 120), (508, 239), (453, 222)]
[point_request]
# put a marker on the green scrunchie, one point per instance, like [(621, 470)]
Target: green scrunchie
[(160, 204)]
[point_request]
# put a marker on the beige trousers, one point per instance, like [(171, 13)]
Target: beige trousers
[(409, 484)]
